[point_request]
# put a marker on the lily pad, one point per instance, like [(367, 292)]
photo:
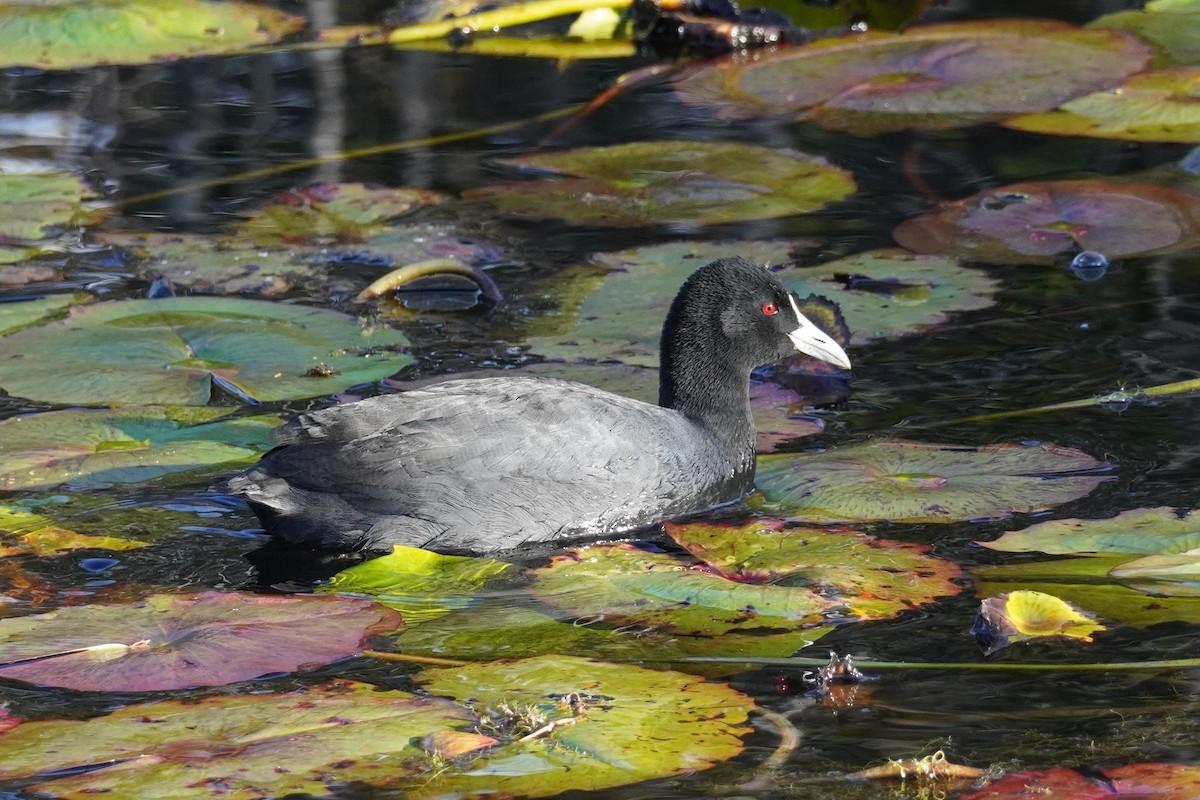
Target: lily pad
[(1040, 223), (66, 34), (1172, 27), (1150, 107), (174, 641), (937, 76), (778, 412), (43, 205), (604, 725), (87, 448), (246, 746), (669, 183), (757, 576), (1133, 782), (1024, 615), (332, 212), (17, 314), (882, 293), (901, 481), (178, 349), (418, 583), (23, 531), (1142, 530)]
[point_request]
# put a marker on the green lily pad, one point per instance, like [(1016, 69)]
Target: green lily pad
[(87, 448), (778, 412), (1142, 530), (757, 576), (1172, 27), (66, 34), (43, 205), (1150, 107), (175, 350), (616, 724), (901, 481), (1040, 223), (498, 628), (937, 76), (174, 641), (245, 746), (669, 183), (418, 583), (331, 212), (882, 293), (15, 315)]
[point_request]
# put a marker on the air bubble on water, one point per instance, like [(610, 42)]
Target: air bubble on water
[(1089, 265), (1116, 401)]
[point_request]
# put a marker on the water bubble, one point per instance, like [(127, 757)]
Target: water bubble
[(1089, 265)]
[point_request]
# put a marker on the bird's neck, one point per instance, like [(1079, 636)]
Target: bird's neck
[(712, 391)]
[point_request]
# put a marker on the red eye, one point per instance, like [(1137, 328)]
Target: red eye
[(770, 309)]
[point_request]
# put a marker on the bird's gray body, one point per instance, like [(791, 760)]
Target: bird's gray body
[(489, 465)]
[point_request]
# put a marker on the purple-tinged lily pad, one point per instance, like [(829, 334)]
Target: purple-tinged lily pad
[(602, 725), (90, 448), (938, 76), (242, 746), (901, 481), (43, 205), (756, 576), (669, 183), (1040, 223), (331, 213), (1150, 107), (778, 412), (66, 34), (174, 641), (1172, 27), (180, 349)]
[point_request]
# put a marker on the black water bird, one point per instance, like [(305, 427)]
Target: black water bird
[(492, 464)]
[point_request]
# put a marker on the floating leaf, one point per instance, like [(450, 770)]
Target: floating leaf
[(669, 183), (331, 212), (777, 411), (1142, 530), (22, 531), (601, 724), (1150, 107), (1023, 615), (65, 34), (174, 641), (901, 481), (1172, 27), (759, 576), (17, 314), (42, 205), (95, 448), (175, 350), (1134, 782), (422, 585), (244, 746), (1039, 223), (937, 76)]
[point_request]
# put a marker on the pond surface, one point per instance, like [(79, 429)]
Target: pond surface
[(192, 147)]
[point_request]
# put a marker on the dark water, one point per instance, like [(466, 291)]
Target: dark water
[(1050, 338)]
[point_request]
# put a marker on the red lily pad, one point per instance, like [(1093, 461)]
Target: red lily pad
[(241, 746), (778, 412), (66, 34), (332, 212), (1134, 781), (669, 183), (902, 481), (1040, 223), (756, 576), (1150, 107), (174, 641), (937, 76), (180, 350)]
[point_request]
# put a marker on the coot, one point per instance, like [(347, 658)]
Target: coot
[(490, 464)]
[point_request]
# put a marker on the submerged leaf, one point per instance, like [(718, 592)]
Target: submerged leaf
[(331, 212), (66, 34), (180, 349), (669, 183), (1022, 615), (902, 481), (422, 585), (936, 76), (1039, 223), (22, 531), (87, 448), (174, 641)]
